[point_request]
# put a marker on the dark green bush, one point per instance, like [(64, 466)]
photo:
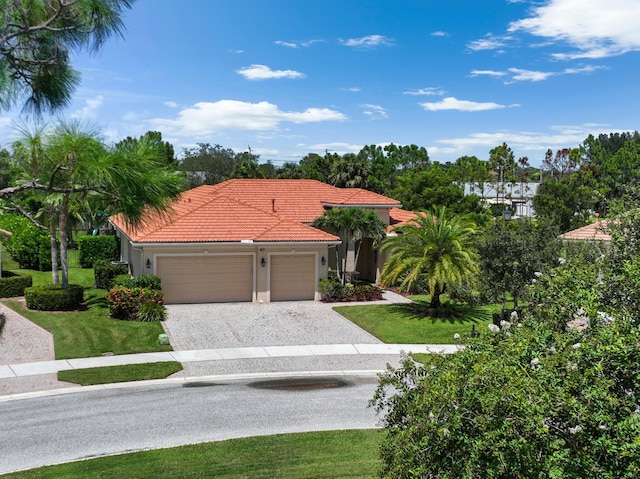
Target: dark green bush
[(148, 281), (51, 297), (150, 311), (106, 271), (332, 291), (14, 284), (96, 248), (28, 245)]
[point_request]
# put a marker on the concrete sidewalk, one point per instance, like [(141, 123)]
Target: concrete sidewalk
[(312, 350)]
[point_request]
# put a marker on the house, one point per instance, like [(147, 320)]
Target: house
[(598, 231), (248, 240)]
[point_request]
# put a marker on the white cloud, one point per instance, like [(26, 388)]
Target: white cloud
[(523, 143), (451, 103), (286, 44), (368, 41), (205, 118), (439, 33), (263, 72), (491, 73), (171, 104), (491, 42), (529, 75), (353, 89), (339, 148), (594, 28), (375, 112), (429, 91), (88, 112)]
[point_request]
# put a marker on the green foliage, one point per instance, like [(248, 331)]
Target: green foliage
[(125, 303), (148, 281), (334, 291), (150, 311), (105, 272), (434, 249), (511, 254), (328, 287), (525, 402), (37, 40), (29, 245), (95, 248), (14, 284), (52, 297)]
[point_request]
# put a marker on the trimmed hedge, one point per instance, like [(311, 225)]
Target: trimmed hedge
[(13, 284), (105, 272), (148, 281), (51, 297), (97, 248), (332, 291), (29, 246)]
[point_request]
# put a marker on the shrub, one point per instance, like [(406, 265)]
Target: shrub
[(28, 245), (51, 297), (148, 281), (97, 248), (328, 287), (335, 292), (125, 303), (526, 401), (105, 271), (122, 280), (14, 284), (152, 312)]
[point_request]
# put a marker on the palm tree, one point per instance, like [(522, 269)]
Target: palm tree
[(70, 163), (352, 225), (434, 248)]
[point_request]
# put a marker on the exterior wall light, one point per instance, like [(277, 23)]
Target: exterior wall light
[(323, 261), (148, 263), (263, 262)]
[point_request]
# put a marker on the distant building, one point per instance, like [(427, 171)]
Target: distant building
[(518, 196)]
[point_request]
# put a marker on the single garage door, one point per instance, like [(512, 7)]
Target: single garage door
[(293, 277), (206, 279)]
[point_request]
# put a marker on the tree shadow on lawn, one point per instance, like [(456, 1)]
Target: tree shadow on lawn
[(448, 312)]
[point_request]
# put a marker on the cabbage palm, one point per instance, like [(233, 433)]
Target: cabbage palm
[(433, 248)]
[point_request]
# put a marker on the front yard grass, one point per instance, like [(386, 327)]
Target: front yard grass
[(329, 454), (91, 332), (400, 324), (120, 374)]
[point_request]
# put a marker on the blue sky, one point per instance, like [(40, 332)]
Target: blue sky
[(289, 77)]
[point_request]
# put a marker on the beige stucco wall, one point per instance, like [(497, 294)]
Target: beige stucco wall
[(258, 251)]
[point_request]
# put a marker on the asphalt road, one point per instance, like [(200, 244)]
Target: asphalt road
[(68, 427)]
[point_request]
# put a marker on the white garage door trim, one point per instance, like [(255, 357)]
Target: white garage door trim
[(311, 289), (248, 293)]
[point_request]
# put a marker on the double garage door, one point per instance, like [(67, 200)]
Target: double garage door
[(230, 278)]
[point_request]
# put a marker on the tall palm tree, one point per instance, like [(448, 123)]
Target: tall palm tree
[(352, 225), (434, 248)]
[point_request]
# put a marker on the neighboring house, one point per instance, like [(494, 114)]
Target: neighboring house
[(249, 240), (518, 196), (597, 231)]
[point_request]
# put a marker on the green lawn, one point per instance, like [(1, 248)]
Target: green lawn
[(401, 324), (120, 374), (331, 454)]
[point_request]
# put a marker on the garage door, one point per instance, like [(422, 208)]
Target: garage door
[(206, 279), (293, 277)]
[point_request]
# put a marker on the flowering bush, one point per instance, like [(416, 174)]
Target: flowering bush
[(531, 401), (125, 303)]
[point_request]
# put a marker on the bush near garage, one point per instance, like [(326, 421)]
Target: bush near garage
[(125, 303), (105, 272), (52, 297), (98, 248), (13, 284), (149, 281), (332, 291)]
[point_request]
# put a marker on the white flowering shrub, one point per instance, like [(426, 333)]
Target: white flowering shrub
[(533, 402)]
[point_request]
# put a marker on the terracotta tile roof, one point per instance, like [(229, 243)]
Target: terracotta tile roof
[(597, 231), (398, 217), (257, 210)]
